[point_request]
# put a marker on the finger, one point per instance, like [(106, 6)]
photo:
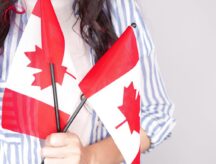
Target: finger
[(61, 139), (54, 161), (71, 160), (60, 152)]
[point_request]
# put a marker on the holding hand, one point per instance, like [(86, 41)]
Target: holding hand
[(63, 148)]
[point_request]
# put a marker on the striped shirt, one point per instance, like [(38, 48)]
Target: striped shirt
[(156, 107)]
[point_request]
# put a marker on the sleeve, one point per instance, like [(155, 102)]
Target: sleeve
[(156, 107)]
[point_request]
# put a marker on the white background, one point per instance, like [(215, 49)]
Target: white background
[(184, 33)]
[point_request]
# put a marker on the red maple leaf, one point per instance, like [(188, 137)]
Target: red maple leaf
[(41, 61), (53, 47), (131, 108)]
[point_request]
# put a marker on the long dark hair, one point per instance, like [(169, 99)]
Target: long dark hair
[(96, 25), (4, 19)]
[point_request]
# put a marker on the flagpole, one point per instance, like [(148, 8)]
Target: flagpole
[(79, 107), (55, 97)]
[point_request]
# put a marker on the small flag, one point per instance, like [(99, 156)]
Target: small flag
[(112, 89), (28, 105)]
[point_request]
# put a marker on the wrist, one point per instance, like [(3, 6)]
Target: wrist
[(89, 156)]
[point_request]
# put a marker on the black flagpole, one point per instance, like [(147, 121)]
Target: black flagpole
[(79, 107), (55, 97)]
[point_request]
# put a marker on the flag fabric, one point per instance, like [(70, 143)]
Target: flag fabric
[(112, 88), (28, 98)]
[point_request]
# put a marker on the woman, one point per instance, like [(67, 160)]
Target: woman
[(105, 21)]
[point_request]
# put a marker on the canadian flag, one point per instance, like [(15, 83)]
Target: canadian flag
[(28, 97), (112, 89)]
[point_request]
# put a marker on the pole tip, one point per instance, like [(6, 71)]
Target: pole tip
[(134, 25), (82, 96)]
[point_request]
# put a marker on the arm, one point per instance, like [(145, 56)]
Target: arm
[(110, 154), (67, 148)]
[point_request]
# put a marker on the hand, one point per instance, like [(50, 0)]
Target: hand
[(63, 148)]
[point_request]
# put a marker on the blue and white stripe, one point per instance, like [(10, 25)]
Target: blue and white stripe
[(156, 109)]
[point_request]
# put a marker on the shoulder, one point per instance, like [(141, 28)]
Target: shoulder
[(122, 13), (126, 12)]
